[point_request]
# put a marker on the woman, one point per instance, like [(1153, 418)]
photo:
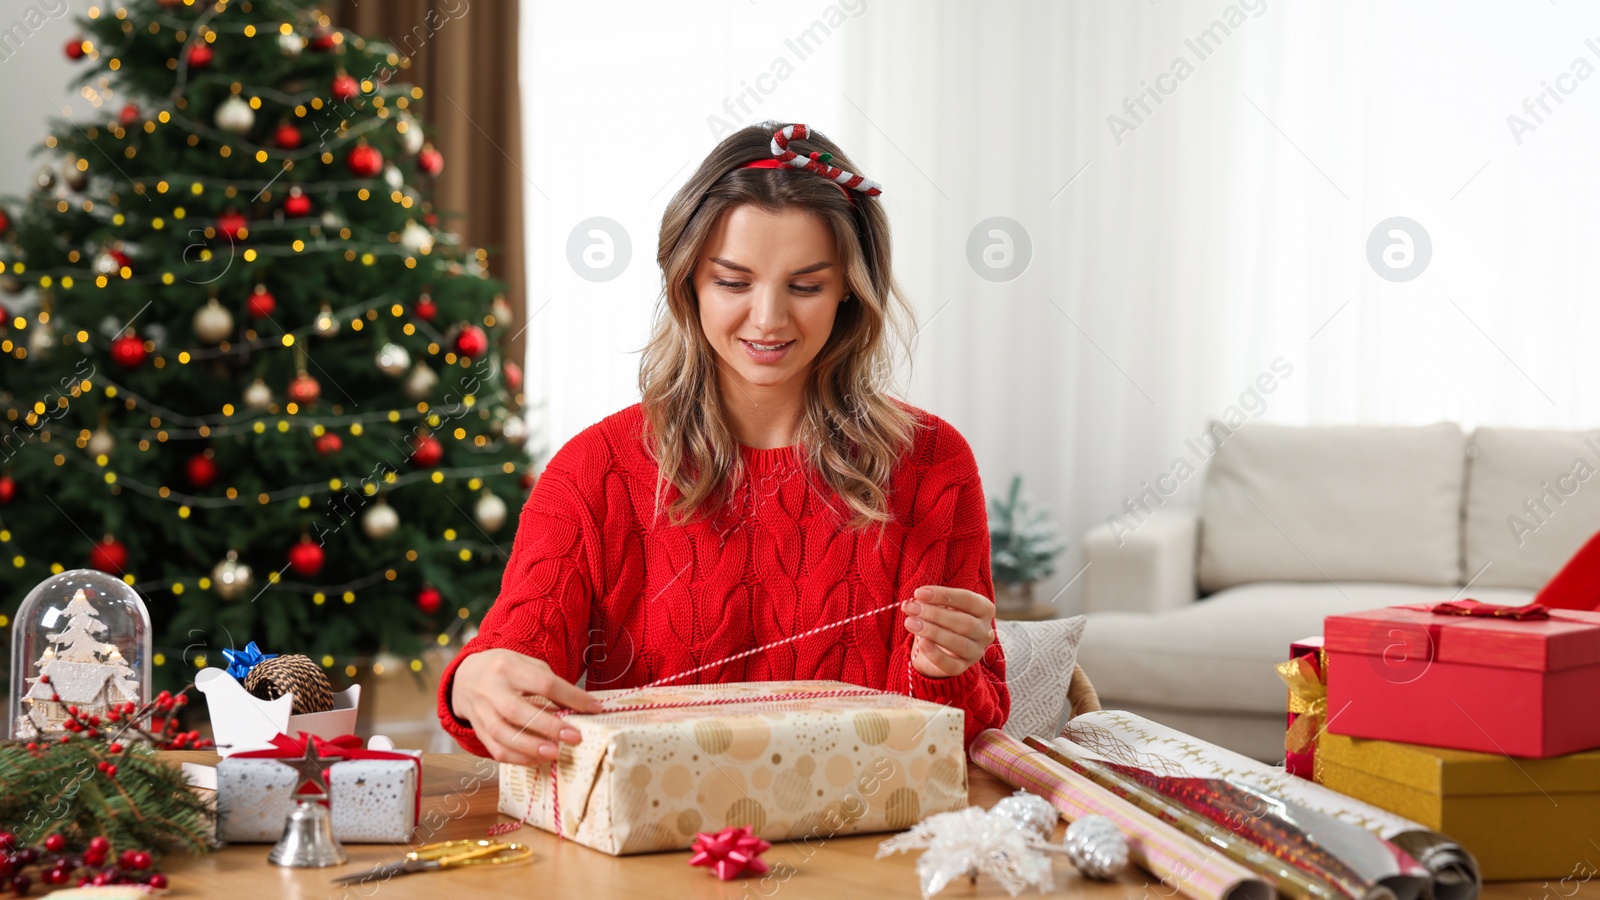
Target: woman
[(759, 514)]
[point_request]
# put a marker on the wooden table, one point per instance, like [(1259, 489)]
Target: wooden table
[(459, 801)]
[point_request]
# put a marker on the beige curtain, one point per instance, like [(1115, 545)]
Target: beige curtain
[(464, 57)]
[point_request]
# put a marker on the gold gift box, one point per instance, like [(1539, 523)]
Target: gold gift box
[(1522, 818), (765, 754)]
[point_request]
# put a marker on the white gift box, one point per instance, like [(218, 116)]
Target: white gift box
[(371, 800)]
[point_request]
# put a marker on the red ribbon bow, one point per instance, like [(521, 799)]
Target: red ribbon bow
[(730, 852), (339, 749), (1530, 612)]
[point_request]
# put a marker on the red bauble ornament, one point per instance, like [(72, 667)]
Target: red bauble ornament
[(202, 471), (306, 558), (472, 342), (200, 55), (528, 481), (513, 373), (287, 137), (304, 389), (364, 161), (429, 599), (75, 48), (262, 303), (430, 218), (297, 203), (426, 451), (322, 41), (129, 115), (328, 443), (425, 309), (108, 556), (430, 160), (344, 87), (231, 224), (128, 351), (124, 261), (8, 488), (5, 222)]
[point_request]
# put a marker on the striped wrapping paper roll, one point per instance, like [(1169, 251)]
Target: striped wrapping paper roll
[(1179, 861)]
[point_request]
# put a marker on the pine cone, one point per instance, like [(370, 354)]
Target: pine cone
[(294, 674)]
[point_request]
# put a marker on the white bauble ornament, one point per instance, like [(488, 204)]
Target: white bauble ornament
[(45, 178), (212, 322), (515, 431), (412, 138), (393, 360), (501, 310), (235, 115), (380, 521), (416, 238), (491, 512), (291, 44), (106, 264), (326, 324), (72, 176), (41, 340), (231, 578), (393, 177), (421, 382), (258, 395), (101, 443)]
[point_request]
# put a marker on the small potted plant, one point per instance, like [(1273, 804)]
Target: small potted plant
[(1023, 546)]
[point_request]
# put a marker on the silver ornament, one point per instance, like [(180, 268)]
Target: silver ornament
[(412, 137), (1096, 846), (491, 512), (380, 521), (332, 220), (45, 178), (515, 431), (258, 395), (235, 115), (156, 334), (416, 238), (231, 578), (72, 176), (101, 443), (393, 177), (291, 44), (326, 324), (393, 360), (212, 322), (1030, 811), (421, 382), (501, 310), (41, 340), (106, 264)]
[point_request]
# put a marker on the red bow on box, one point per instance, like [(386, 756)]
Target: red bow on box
[(1530, 612), (339, 749)]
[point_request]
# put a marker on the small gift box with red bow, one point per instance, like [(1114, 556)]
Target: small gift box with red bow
[(375, 794), (1520, 681)]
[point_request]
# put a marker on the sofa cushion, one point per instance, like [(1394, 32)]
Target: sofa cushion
[(1533, 498), (1356, 503), (1218, 654), (1040, 657)]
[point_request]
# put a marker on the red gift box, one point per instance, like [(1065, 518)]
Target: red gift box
[(1307, 698), (1521, 681)]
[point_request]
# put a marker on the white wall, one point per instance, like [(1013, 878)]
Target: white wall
[(34, 82)]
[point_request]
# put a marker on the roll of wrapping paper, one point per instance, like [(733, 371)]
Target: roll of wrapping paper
[(1286, 878), (1198, 870), (1118, 736)]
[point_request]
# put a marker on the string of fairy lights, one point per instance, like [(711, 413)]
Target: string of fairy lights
[(415, 245)]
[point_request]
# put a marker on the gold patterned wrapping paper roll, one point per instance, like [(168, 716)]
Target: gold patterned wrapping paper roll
[(650, 779)]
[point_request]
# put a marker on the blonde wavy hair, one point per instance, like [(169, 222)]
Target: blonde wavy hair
[(852, 433)]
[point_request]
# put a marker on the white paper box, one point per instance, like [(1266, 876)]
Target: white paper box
[(241, 721)]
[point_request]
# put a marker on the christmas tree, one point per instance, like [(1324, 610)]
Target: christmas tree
[(243, 367)]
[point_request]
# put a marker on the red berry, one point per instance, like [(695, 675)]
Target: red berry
[(111, 771), (94, 858), (141, 860), (115, 747), (55, 843), (181, 699), (99, 844), (7, 839), (156, 880)]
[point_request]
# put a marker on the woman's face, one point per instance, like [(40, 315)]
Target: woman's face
[(769, 285)]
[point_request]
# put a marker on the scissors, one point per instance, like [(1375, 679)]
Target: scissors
[(447, 855)]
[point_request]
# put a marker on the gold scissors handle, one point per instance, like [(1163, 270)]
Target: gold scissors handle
[(451, 854)]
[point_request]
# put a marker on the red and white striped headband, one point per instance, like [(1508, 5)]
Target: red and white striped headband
[(815, 162)]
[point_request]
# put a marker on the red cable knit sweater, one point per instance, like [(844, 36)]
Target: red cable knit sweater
[(594, 585)]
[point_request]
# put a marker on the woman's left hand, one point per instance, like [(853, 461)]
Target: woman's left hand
[(953, 628)]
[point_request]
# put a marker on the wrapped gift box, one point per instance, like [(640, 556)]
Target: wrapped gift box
[(792, 759), (1522, 819), (1308, 698), (1527, 688), (371, 800)]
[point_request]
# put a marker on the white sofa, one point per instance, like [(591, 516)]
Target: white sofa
[(1189, 610)]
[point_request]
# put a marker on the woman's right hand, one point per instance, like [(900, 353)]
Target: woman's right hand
[(509, 699)]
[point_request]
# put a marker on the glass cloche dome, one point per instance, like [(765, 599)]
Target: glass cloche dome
[(80, 638)]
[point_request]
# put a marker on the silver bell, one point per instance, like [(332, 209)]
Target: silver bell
[(308, 840)]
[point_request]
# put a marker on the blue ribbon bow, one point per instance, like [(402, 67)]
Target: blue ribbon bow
[(240, 662)]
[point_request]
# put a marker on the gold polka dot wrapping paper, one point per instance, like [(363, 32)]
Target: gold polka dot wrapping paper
[(645, 780)]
